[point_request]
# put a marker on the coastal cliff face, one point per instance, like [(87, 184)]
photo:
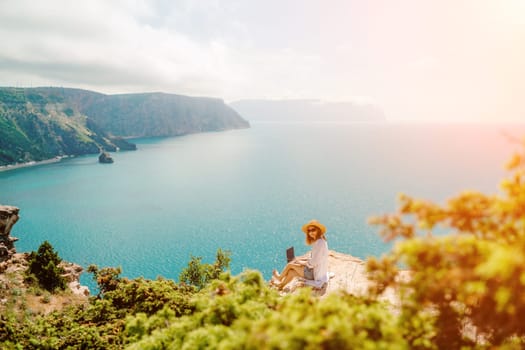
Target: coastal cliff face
[(158, 114), (8, 217), (42, 123), (37, 125)]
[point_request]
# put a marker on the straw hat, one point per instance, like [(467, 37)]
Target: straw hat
[(316, 224)]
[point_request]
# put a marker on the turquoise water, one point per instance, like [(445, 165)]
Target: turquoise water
[(248, 191)]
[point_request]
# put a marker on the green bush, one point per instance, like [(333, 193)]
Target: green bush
[(107, 278), (242, 312), (199, 274), (43, 264)]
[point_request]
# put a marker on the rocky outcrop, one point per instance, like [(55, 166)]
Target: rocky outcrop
[(105, 158), (17, 264), (72, 274), (8, 217), (348, 274), (27, 298)]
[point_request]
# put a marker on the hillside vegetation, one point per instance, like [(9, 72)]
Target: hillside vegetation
[(42, 123), (156, 114), (36, 126)]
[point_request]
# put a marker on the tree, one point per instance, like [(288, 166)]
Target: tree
[(471, 282), (199, 274), (44, 265), (107, 278)]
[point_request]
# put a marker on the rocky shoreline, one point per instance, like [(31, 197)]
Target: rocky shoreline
[(15, 264), (30, 164)]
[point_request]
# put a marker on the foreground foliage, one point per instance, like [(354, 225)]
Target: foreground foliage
[(242, 312), (100, 323), (470, 283), (228, 313)]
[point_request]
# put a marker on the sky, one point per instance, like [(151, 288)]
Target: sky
[(418, 60)]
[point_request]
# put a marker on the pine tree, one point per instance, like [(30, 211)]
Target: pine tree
[(43, 264)]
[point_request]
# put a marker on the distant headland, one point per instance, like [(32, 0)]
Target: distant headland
[(295, 110), (43, 123)]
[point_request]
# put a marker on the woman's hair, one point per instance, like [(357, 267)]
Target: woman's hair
[(318, 235)]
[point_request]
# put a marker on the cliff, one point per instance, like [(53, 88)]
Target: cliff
[(42, 123), (156, 114), (349, 275), (36, 125), (8, 217)]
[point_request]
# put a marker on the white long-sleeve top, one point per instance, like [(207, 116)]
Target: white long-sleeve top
[(319, 261)]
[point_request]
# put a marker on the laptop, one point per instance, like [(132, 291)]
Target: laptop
[(290, 255)]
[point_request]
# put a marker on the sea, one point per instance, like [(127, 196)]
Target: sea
[(248, 191)]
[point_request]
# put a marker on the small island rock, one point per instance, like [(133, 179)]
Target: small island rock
[(105, 158)]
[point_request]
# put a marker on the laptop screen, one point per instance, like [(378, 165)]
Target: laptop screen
[(290, 255)]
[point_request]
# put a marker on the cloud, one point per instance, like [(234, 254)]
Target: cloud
[(114, 46), (400, 56), (98, 40)]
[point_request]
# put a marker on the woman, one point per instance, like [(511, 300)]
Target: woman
[(318, 261)]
